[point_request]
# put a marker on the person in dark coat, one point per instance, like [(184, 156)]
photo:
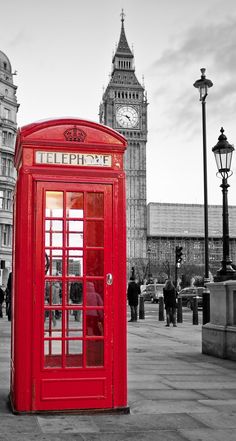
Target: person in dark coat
[(132, 294), (169, 293), (2, 295), (76, 295), (9, 296)]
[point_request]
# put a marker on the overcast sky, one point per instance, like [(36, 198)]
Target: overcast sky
[(62, 52)]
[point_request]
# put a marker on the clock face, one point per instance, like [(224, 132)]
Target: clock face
[(127, 116)]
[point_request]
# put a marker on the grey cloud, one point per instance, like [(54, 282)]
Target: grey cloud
[(211, 46), (216, 41)]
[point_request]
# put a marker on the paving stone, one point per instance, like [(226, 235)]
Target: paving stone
[(162, 435), (42, 437), (170, 394), (19, 425), (129, 423), (139, 385), (67, 424), (217, 420), (197, 385), (208, 435), (224, 394), (157, 407)]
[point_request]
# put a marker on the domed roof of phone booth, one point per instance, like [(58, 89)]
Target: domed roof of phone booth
[(74, 133)]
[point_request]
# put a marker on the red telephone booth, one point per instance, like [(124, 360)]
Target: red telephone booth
[(69, 272)]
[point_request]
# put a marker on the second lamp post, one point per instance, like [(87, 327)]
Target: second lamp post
[(223, 151)]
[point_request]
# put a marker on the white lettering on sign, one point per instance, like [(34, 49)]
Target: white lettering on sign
[(63, 158)]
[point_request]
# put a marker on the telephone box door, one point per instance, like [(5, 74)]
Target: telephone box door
[(72, 350)]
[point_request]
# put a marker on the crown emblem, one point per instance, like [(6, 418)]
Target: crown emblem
[(75, 134)]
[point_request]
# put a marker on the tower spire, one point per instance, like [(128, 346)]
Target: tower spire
[(122, 16), (123, 48)]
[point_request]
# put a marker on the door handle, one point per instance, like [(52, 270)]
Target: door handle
[(109, 279)]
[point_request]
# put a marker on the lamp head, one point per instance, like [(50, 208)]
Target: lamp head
[(223, 152), (203, 84)]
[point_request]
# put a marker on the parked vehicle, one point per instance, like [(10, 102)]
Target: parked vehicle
[(187, 295), (152, 292)]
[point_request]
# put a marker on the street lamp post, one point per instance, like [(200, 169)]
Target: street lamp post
[(202, 85), (223, 154)]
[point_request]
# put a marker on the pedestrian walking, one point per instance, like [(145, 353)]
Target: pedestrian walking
[(169, 293), (76, 296), (2, 295), (132, 294), (9, 296), (56, 300)]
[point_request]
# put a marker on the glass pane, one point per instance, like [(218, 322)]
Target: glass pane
[(52, 353), (74, 204), (56, 225), (46, 262), (47, 225), (75, 240), (75, 263), (54, 253), (75, 226), (74, 323), (74, 353), (95, 234), (53, 225), (55, 265), (94, 322), (47, 240), (95, 353), (75, 293), (52, 323), (54, 204), (94, 263), (53, 292), (95, 205), (93, 298), (53, 262), (99, 288), (56, 240)]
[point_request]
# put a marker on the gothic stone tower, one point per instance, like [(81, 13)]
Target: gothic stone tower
[(124, 108)]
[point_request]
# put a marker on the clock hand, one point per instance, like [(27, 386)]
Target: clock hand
[(127, 116)]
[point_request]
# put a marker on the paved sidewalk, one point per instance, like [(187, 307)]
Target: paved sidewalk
[(175, 393)]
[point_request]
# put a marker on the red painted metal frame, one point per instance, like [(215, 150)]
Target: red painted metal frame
[(50, 136)]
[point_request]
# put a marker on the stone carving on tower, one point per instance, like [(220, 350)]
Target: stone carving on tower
[(8, 111), (124, 108)]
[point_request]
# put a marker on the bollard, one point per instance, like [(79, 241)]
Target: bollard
[(161, 309), (179, 311), (205, 306), (141, 307), (195, 311)]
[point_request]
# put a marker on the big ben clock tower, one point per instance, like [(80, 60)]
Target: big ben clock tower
[(124, 108)]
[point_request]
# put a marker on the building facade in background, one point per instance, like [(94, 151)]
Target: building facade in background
[(124, 108), (8, 127), (170, 225)]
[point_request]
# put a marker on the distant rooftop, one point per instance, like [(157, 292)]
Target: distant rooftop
[(187, 220)]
